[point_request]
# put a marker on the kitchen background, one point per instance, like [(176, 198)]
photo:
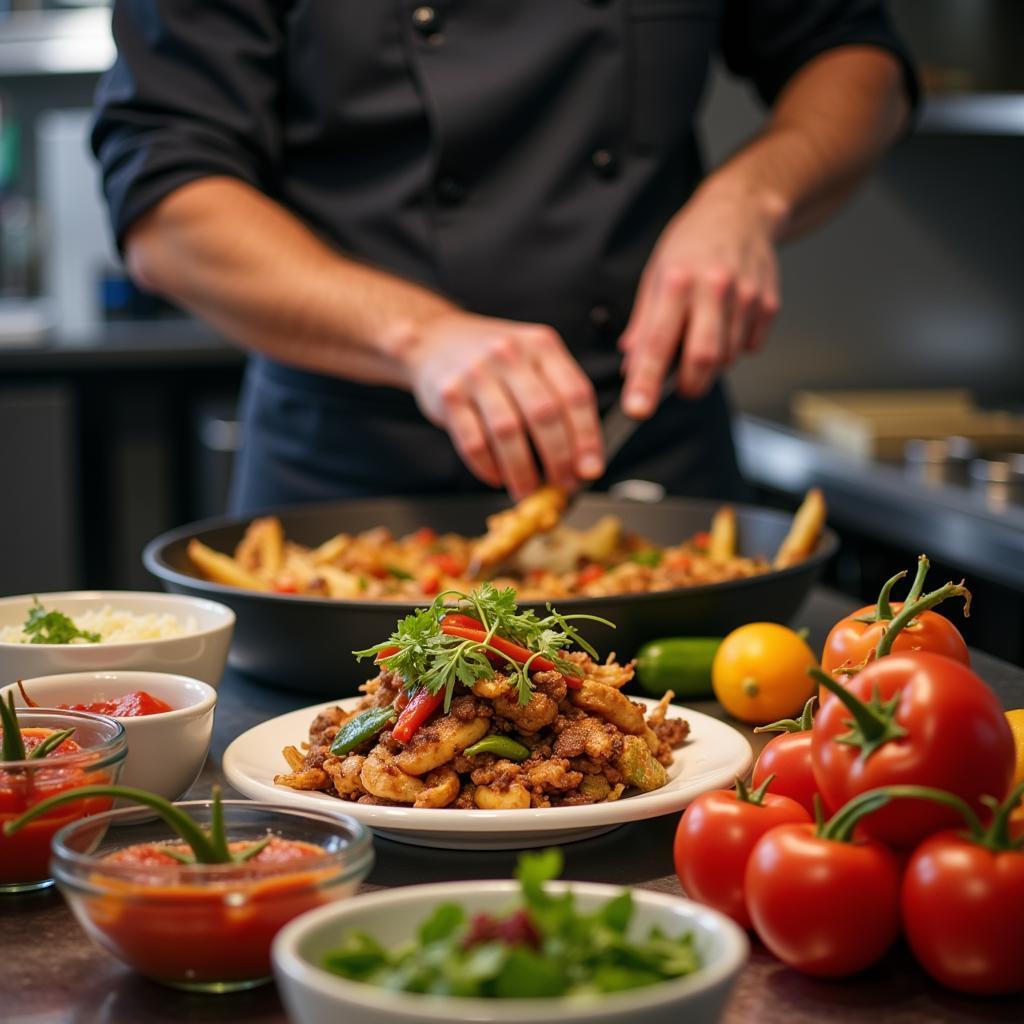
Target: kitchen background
[(117, 413)]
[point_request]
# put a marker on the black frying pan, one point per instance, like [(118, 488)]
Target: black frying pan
[(304, 643)]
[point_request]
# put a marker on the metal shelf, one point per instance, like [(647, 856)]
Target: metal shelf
[(56, 42), (980, 113)]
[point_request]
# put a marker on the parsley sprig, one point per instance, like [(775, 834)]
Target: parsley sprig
[(428, 657), (53, 627)]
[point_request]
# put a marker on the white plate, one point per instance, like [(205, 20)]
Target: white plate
[(713, 755)]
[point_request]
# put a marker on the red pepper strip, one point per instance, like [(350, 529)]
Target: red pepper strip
[(416, 712), (462, 621), (514, 651), (386, 652)]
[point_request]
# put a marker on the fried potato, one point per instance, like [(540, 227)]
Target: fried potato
[(804, 532), (331, 549), (222, 568), (507, 531), (310, 779), (722, 545), (261, 549)]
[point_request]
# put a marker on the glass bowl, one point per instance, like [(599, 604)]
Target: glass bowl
[(206, 927), (25, 857)]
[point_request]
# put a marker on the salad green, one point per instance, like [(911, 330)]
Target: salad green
[(545, 948)]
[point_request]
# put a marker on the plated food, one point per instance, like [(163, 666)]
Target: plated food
[(524, 548), (486, 707), (90, 630), (168, 720), (198, 908), (45, 753)]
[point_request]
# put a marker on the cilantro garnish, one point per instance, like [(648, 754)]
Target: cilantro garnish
[(53, 627), (429, 658)]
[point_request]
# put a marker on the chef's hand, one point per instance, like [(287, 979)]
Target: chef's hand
[(708, 293), (497, 386)]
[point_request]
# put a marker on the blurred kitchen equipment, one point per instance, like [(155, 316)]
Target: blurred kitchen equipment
[(79, 253), (878, 424), (1000, 480), (940, 460)]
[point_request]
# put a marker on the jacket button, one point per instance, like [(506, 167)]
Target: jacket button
[(604, 162), (450, 190), (426, 19)]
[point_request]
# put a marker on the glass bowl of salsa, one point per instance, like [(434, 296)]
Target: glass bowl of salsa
[(92, 754), (206, 927)]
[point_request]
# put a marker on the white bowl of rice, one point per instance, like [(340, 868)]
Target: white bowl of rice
[(105, 630)]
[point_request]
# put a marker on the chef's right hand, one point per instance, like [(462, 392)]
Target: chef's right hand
[(497, 386)]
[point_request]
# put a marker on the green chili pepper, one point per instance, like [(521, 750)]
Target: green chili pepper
[(398, 572), (358, 730), (500, 746), (646, 556)]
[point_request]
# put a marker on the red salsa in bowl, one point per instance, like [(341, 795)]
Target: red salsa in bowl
[(207, 926), (90, 751), (129, 705)]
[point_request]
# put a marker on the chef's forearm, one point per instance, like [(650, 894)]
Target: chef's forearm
[(244, 264), (828, 128)]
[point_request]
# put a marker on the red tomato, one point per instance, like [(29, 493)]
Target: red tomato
[(853, 643), (788, 758), (963, 913), (713, 842), (129, 705), (853, 640), (934, 723), (824, 907), (589, 573)]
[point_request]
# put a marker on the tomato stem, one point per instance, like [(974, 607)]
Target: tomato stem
[(923, 565), (840, 826), (883, 609), (911, 609), (801, 724), (997, 836), (874, 722), (745, 795)]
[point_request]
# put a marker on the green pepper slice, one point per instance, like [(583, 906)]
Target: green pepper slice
[(647, 556), (358, 730), (500, 746)]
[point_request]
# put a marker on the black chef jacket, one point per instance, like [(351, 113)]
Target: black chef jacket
[(519, 156)]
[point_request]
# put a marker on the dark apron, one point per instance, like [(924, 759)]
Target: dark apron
[(312, 438)]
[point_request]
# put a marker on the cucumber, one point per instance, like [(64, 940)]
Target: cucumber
[(679, 663)]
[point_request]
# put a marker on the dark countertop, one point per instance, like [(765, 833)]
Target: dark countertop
[(52, 975)]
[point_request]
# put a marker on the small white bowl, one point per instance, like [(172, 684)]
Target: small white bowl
[(166, 751), (313, 995), (201, 655)]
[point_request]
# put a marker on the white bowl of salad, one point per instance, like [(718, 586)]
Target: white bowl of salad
[(105, 630), (532, 951)]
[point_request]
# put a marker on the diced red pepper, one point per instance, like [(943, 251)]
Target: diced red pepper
[(286, 588), (590, 573), (448, 564), (679, 560), (386, 652), (422, 705), (430, 581)]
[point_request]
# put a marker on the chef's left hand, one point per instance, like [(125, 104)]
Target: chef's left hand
[(709, 292)]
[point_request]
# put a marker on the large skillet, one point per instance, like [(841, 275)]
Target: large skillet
[(305, 642)]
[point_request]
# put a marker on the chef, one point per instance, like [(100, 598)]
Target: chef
[(452, 235)]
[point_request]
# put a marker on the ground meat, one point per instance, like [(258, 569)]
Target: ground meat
[(553, 774), (499, 775), (551, 684), (467, 707), (672, 731), (377, 801), (329, 718), (597, 739), (465, 800), (316, 756), (389, 743)]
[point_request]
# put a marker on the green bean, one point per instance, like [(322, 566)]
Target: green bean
[(500, 746)]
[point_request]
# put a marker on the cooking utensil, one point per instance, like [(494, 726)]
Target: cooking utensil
[(304, 642)]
